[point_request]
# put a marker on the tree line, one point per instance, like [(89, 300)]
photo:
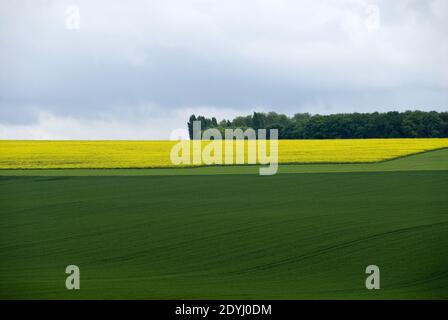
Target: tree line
[(409, 124)]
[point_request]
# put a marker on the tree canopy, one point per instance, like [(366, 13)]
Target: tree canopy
[(409, 124)]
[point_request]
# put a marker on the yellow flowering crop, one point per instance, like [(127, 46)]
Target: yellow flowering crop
[(145, 154)]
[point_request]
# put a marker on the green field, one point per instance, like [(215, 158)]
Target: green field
[(225, 232)]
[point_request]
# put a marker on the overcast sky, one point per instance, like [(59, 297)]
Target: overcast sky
[(137, 69)]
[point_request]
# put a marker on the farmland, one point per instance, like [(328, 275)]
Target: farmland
[(156, 154), (225, 232)]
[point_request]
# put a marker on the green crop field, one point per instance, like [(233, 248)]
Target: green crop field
[(225, 232)]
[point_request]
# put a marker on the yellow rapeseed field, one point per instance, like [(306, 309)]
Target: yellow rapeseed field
[(145, 154)]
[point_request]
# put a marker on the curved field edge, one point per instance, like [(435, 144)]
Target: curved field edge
[(422, 161), (156, 154)]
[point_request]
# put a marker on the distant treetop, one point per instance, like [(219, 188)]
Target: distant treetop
[(409, 124)]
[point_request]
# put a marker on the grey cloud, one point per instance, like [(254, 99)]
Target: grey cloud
[(152, 58)]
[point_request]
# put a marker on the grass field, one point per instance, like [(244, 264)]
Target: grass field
[(156, 154), (308, 232)]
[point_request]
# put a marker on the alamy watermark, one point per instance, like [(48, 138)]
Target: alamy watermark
[(373, 280), (373, 18), (208, 147), (72, 18), (72, 282)]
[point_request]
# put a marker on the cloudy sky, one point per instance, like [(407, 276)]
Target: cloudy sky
[(111, 69)]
